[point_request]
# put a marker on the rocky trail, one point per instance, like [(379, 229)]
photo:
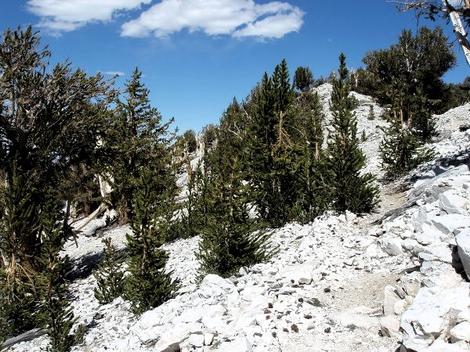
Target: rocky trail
[(394, 280)]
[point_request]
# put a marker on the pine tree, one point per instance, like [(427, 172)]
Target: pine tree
[(109, 277), (135, 140), (260, 144), (231, 239), (314, 194), (149, 284), (18, 287), (55, 308), (353, 191), (50, 123), (401, 151), (303, 79), (400, 72)]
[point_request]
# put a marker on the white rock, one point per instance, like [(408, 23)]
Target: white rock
[(389, 325), (399, 307), (430, 313), (450, 222), (440, 253), (358, 317), (429, 234), (196, 340), (460, 332), (208, 339), (463, 243), (390, 299), (441, 346), (300, 274), (239, 344), (392, 246), (451, 202)]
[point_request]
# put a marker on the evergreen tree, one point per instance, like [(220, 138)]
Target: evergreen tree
[(136, 138), (149, 284), (272, 146), (52, 124), (51, 120), (303, 79), (313, 194), (399, 77), (231, 239), (55, 308), (109, 277), (401, 151), (18, 288), (352, 190)]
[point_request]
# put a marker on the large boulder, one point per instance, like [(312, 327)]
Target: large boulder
[(431, 313)]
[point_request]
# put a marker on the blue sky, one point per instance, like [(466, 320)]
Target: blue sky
[(197, 55)]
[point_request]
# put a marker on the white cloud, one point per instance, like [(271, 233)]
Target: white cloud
[(67, 15), (238, 18), (113, 73)]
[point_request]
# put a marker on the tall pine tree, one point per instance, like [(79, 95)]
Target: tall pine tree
[(149, 284), (231, 238), (352, 190), (134, 141)]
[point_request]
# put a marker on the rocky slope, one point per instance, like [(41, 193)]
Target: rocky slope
[(397, 279)]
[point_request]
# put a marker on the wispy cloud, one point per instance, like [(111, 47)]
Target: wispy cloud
[(237, 18), (113, 73), (59, 16)]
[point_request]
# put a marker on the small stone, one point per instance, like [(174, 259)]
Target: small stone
[(196, 340), (308, 316), (294, 328), (327, 290), (328, 330), (208, 339)]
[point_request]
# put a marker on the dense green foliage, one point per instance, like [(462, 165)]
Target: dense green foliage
[(303, 79), (51, 119), (402, 151)]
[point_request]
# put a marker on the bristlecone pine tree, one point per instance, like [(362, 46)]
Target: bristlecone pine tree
[(303, 79), (50, 122), (18, 289), (230, 238), (353, 191), (401, 151), (149, 284), (137, 133), (109, 276), (314, 197)]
